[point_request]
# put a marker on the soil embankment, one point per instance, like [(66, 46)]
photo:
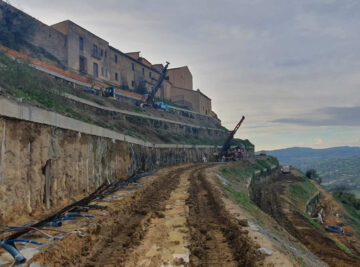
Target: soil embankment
[(274, 196)]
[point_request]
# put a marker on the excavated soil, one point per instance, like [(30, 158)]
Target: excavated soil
[(216, 237), (175, 218), (109, 241), (270, 196)]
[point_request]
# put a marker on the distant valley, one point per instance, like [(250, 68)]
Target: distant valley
[(338, 166)]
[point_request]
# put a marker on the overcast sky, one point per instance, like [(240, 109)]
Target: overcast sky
[(291, 67)]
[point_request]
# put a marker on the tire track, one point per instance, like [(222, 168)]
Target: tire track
[(111, 239), (216, 238)]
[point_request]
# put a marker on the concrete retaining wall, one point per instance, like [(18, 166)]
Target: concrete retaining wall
[(47, 159)]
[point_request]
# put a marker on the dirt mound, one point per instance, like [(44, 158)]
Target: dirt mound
[(216, 237)]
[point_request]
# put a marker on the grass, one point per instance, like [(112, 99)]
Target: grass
[(246, 203), (21, 81), (139, 109), (353, 215), (315, 224), (265, 164), (342, 247), (300, 260), (242, 173), (302, 192)]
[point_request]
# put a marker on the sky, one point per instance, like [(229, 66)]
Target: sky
[(291, 67)]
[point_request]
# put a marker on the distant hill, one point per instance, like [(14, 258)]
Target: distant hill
[(293, 154), (336, 165)]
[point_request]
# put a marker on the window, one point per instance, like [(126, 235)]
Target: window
[(132, 83), (150, 74), (105, 54), (116, 76), (95, 51), (101, 52), (82, 64), (116, 59), (102, 71), (132, 66), (96, 71), (143, 71), (81, 43)]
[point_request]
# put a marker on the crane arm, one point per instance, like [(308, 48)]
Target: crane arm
[(226, 145), (150, 98)]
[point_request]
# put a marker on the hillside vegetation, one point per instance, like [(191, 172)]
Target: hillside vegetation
[(338, 167), (19, 80)]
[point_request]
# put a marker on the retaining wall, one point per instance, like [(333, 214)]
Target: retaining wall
[(47, 159)]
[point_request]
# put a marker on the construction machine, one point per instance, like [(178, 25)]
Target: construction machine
[(225, 148), (149, 99)]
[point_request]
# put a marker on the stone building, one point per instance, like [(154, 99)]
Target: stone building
[(194, 100), (181, 77), (76, 49), (86, 53)]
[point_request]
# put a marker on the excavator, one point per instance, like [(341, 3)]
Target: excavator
[(148, 99), (225, 148)]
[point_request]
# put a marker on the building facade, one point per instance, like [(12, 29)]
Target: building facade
[(78, 50), (181, 77)]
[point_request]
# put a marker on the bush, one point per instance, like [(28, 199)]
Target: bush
[(311, 174), (141, 88), (348, 198)]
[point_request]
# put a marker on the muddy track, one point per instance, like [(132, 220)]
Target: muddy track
[(269, 196), (178, 213), (216, 238), (111, 239)]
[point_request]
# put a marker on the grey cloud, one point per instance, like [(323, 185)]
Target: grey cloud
[(330, 116), (268, 58)]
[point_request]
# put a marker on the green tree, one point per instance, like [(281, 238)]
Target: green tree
[(141, 88), (312, 174)]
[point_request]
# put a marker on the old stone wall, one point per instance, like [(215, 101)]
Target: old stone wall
[(41, 36)]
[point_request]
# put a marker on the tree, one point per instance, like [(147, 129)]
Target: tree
[(312, 174), (141, 88)]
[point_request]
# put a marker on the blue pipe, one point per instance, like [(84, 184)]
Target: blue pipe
[(56, 223), (11, 230), (64, 219), (19, 258), (72, 214)]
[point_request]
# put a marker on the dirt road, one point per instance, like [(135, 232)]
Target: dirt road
[(174, 218)]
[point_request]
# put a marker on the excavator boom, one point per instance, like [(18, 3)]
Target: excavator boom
[(226, 145), (150, 98)]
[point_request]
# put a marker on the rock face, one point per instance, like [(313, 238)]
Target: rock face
[(42, 167)]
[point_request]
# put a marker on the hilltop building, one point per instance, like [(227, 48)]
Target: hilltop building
[(76, 49)]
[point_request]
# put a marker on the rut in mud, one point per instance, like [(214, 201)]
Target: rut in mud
[(110, 240), (216, 237), (176, 218)]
